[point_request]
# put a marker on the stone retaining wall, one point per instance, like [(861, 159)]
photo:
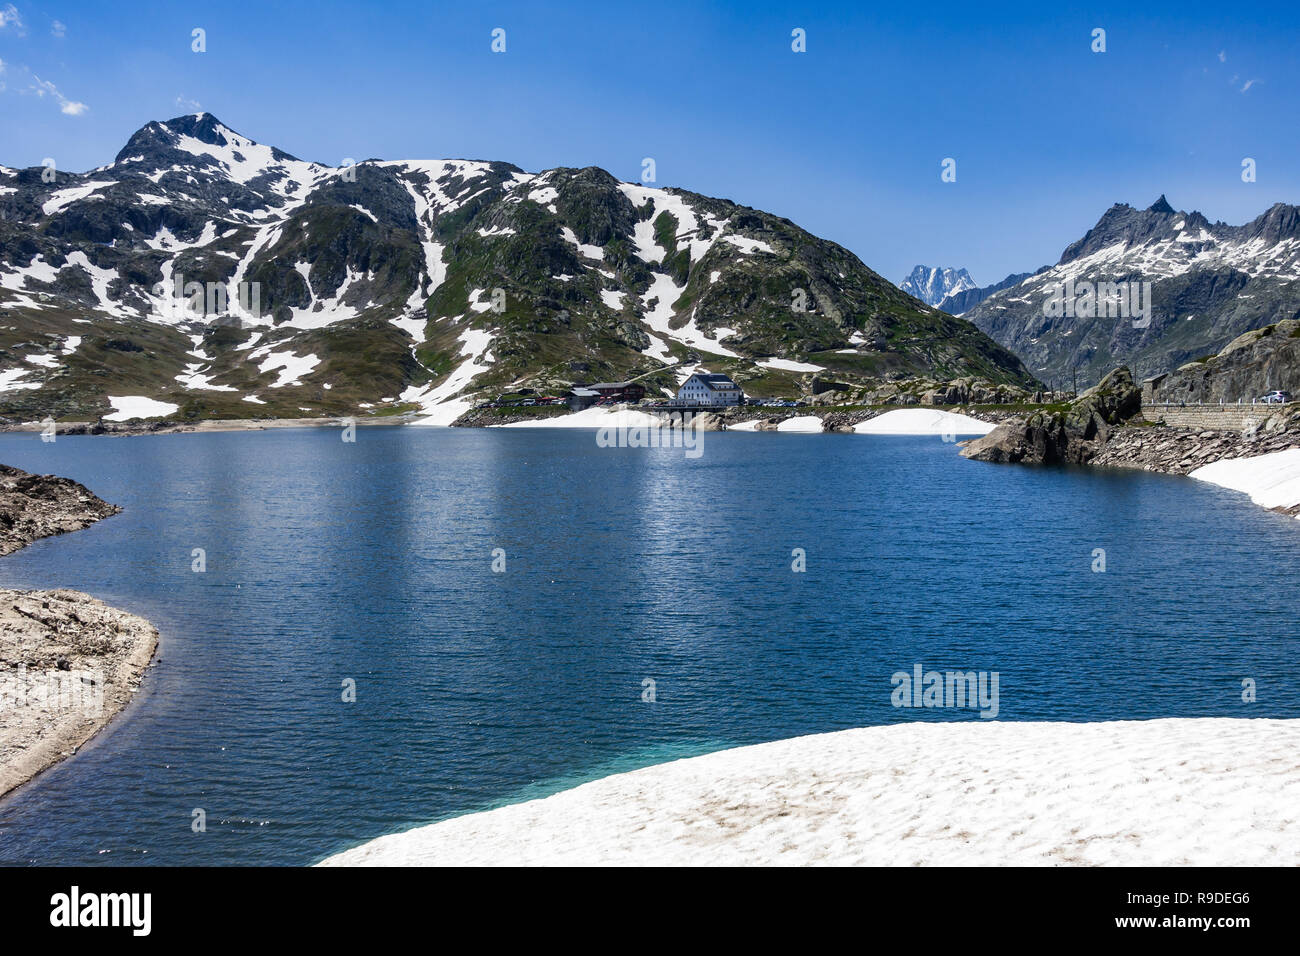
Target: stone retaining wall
[(1219, 417)]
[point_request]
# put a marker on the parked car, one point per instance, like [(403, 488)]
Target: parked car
[(1276, 398), (529, 401)]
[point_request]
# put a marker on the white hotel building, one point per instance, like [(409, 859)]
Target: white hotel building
[(705, 389)]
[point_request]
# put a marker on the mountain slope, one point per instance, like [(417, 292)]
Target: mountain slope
[(1209, 283), (1251, 365), (958, 303), (224, 278)]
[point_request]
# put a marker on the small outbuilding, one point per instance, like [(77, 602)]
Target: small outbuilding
[(581, 397), (619, 391)]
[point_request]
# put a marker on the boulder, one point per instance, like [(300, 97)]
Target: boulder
[(1113, 400), (1071, 436), (1044, 439)]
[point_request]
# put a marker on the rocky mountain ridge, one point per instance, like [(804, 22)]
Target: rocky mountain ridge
[(1150, 288), (204, 275), (959, 303)]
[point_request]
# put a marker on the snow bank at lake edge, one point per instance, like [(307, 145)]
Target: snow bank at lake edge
[(922, 421), (1177, 791), (899, 421), (598, 416), (1272, 481)]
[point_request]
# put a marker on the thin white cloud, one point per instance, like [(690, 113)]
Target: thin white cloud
[(66, 106), (11, 18), (185, 103), (1236, 81)]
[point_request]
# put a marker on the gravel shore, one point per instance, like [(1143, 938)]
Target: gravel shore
[(68, 662)]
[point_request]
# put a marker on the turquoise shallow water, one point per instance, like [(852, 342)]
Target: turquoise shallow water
[(372, 561)]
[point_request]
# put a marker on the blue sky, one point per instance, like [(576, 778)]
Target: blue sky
[(846, 139)]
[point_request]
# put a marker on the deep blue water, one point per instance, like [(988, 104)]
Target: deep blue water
[(372, 561)]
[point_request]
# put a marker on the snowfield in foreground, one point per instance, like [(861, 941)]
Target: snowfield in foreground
[(1204, 791), (1271, 480)]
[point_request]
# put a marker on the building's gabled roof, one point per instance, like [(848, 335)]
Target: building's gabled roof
[(610, 385), (715, 381)]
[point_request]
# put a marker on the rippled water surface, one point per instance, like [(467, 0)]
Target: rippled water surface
[(373, 561)]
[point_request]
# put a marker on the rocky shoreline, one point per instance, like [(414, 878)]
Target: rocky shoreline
[(1104, 427), (37, 506), (834, 418), (1180, 451), (169, 427), (68, 662)]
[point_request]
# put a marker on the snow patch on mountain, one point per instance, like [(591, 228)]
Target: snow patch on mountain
[(127, 407), (658, 304), (291, 367), (589, 251), (438, 402), (787, 365), (62, 198)]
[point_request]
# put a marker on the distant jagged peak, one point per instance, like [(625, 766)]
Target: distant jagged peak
[(933, 284), (1127, 225), (1162, 206)]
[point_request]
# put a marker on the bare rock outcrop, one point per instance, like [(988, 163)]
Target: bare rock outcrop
[(37, 506), (1250, 365), (1072, 435)]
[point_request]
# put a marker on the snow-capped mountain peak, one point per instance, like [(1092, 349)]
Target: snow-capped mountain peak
[(1209, 282), (216, 271), (933, 284)]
